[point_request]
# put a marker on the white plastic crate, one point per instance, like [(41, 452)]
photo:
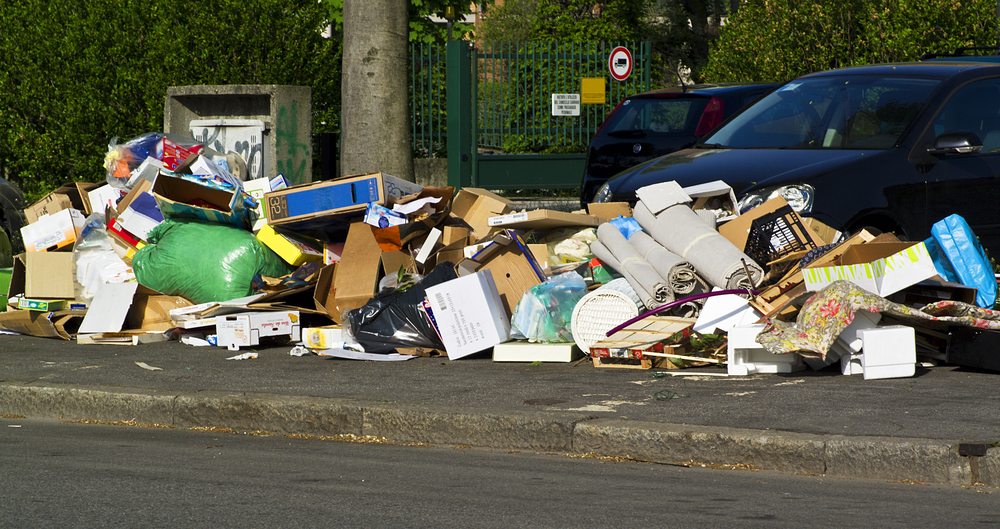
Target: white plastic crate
[(747, 357)]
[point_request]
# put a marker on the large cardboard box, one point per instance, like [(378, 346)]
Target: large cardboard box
[(53, 232), (307, 206), (475, 206), (179, 197), (515, 270), (881, 268), (469, 315), (46, 275)]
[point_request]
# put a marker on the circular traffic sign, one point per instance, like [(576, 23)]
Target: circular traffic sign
[(620, 63)]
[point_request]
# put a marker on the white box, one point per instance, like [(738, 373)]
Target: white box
[(521, 351), (722, 313), (888, 352), (53, 231), (236, 330), (747, 357), (469, 313), (884, 276)]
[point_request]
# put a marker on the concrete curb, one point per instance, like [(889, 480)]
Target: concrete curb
[(923, 460)]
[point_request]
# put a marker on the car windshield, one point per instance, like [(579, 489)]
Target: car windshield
[(671, 116), (829, 112)]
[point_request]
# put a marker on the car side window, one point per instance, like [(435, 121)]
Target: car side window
[(974, 108)]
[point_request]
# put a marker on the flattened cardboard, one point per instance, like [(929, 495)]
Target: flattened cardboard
[(107, 311), (704, 193), (543, 219), (609, 210), (357, 273), (151, 312), (61, 324)]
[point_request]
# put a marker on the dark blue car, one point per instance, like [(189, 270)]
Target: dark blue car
[(893, 147)]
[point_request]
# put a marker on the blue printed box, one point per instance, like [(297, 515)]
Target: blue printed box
[(343, 197)]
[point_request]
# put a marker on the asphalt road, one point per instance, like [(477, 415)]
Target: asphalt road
[(57, 474)]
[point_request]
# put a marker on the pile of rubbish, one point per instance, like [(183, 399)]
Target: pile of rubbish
[(178, 245)]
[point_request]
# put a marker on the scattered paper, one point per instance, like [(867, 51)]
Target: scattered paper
[(144, 365), (244, 356), (300, 350), (416, 205)]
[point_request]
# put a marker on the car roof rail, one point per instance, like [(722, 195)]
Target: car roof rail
[(963, 52)]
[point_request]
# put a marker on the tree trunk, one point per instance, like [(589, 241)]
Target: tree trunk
[(375, 117)]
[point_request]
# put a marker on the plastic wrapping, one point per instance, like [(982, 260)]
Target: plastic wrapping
[(95, 260), (570, 245), (544, 312), (959, 258), (170, 149), (394, 318), (204, 261)]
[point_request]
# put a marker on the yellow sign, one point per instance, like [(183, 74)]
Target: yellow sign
[(592, 90)]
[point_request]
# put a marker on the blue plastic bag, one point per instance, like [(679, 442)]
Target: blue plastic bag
[(626, 225), (960, 258)]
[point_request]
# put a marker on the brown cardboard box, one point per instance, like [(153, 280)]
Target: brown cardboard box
[(738, 229), (61, 324), (475, 206), (514, 268), (450, 234), (74, 195), (357, 274), (48, 275), (609, 210), (150, 311)]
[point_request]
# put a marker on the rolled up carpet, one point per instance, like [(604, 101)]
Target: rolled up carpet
[(612, 248), (680, 230), (678, 273)]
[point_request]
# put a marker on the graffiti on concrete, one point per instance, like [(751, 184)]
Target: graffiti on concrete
[(247, 141), (291, 155)]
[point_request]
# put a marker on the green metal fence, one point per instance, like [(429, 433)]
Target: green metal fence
[(497, 102)]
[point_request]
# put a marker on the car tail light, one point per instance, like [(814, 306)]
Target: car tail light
[(711, 117)]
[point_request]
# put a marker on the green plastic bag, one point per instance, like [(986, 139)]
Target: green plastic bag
[(204, 261)]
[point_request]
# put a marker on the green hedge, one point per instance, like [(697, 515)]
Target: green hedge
[(76, 74)]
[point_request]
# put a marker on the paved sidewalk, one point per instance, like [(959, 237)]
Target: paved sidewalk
[(817, 422)]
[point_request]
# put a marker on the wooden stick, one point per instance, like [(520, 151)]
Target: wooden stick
[(693, 358)]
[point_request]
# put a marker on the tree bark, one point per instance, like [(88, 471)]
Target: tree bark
[(375, 117)]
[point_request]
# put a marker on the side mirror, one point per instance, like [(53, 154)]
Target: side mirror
[(956, 142)]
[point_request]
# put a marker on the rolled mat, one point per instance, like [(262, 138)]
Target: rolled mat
[(680, 230), (616, 252), (678, 273)]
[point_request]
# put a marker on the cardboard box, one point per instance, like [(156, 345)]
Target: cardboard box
[(178, 197), (294, 250), (326, 337), (46, 275), (310, 205), (259, 187), (933, 291), (475, 206), (514, 269), (609, 210), (53, 232), (245, 330), (140, 216), (880, 268), (469, 314), (543, 219), (151, 311), (44, 305), (357, 274), (738, 229), (716, 195), (71, 195), (521, 351), (60, 324)]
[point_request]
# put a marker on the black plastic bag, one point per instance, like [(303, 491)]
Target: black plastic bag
[(394, 319)]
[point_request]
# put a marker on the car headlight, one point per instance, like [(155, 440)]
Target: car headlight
[(603, 193), (799, 196)]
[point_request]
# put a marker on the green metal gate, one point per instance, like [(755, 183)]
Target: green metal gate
[(502, 133)]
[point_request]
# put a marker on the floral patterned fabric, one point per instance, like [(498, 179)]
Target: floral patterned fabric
[(825, 315)]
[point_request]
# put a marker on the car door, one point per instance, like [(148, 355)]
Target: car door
[(969, 184)]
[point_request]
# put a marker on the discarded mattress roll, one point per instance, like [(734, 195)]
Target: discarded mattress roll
[(648, 285), (679, 274), (680, 230)]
